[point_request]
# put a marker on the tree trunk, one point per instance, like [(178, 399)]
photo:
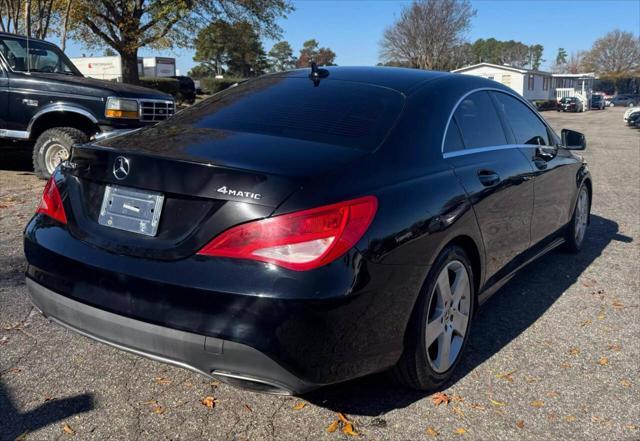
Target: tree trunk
[(27, 18), (130, 66), (65, 26)]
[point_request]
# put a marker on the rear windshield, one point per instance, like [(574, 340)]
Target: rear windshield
[(348, 114)]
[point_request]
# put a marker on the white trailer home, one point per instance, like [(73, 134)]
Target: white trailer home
[(110, 68), (102, 68), (535, 85)]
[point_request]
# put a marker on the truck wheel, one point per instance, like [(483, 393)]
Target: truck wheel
[(54, 146)]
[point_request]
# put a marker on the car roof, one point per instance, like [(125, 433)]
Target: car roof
[(22, 37), (403, 80)]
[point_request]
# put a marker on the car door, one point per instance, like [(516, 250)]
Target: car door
[(554, 168), (496, 177)]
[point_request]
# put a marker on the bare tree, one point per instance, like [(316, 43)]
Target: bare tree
[(617, 54), (427, 34), (575, 63)]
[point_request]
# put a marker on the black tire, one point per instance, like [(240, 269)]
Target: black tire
[(573, 241), (57, 138), (414, 368)]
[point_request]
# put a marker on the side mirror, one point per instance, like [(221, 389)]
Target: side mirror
[(573, 140)]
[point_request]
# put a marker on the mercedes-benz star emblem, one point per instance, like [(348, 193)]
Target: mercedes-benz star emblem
[(121, 168)]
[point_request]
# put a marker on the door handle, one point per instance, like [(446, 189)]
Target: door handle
[(488, 178)]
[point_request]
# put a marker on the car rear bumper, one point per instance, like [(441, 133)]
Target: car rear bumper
[(229, 361), (338, 322)]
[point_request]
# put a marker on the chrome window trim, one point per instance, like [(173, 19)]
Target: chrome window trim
[(491, 148), (473, 151)]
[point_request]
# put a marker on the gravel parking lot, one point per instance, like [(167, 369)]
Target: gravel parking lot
[(554, 355)]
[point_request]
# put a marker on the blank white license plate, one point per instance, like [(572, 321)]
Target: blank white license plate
[(137, 211)]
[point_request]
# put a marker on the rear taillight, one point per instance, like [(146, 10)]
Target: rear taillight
[(299, 241), (51, 203)]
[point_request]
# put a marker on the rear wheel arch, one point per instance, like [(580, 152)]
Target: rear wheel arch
[(473, 253)]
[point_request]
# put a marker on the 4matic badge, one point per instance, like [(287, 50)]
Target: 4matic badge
[(239, 193)]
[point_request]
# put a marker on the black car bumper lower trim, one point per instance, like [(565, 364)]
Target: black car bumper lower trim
[(229, 361)]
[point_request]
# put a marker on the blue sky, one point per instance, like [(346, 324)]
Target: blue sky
[(353, 28)]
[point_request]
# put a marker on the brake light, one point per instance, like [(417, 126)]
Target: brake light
[(51, 202), (299, 241)]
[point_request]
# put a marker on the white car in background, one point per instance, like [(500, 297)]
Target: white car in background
[(629, 112)]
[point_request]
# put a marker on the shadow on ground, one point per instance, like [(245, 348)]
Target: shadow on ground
[(14, 423), (505, 316), (16, 157)]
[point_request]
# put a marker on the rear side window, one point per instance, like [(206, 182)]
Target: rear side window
[(527, 127), (478, 122), (348, 114), (453, 141)]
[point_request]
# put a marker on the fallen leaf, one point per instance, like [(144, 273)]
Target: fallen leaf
[(625, 383), (343, 418), (149, 402), (601, 315), (67, 429), (507, 376), (15, 370), (210, 402), (587, 322), (551, 416), (631, 427), (246, 406), (603, 361), (477, 406), (457, 410), (439, 398), (333, 426), (158, 409), (589, 283), (574, 351), (460, 431), (553, 394), (348, 430), (3, 340), (537, 403), (570, 418), (299, 406), (214, 384), (457, 398), (49, 398), (497, 403), (520, 424), (615, 347), (617, 305), (162, 380), (565, 365), (432, 432)]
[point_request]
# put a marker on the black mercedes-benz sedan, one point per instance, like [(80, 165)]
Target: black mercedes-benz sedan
[(308, 227)]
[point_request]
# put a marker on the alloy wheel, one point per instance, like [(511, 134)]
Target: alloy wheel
[(582, 215), (55, 154), (448, 317)]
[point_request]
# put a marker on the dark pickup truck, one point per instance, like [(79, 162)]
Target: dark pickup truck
[(47, 103)]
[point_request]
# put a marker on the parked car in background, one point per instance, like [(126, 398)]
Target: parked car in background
[(634, 119), (631, 116), (570, 104), (307, 228), (47, 103), (187, 92), (625, 100), (628, 112), (597, 102)]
